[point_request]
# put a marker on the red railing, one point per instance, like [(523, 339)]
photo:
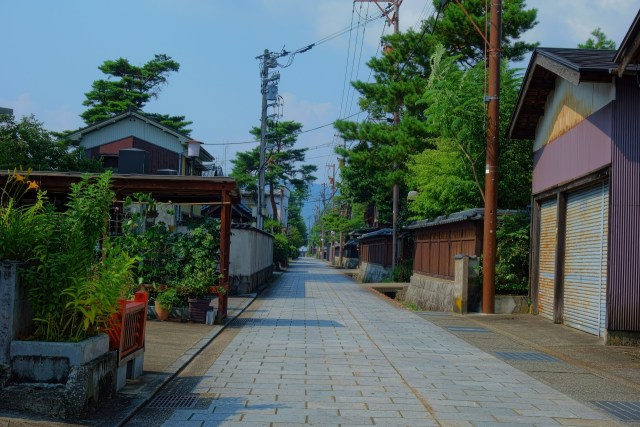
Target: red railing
[(127, 328)]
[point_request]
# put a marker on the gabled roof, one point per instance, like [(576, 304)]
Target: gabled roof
[(77, 135), (629, 51), (546, 64), (182, 138)]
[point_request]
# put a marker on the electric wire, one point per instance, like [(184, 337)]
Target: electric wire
[(357, 73), (346, 68)]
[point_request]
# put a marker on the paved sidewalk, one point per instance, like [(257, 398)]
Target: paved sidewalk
[(317, 348)]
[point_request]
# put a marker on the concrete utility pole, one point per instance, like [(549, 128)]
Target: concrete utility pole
[(491, 177), (392, 16), (269, 60), (264, 76)]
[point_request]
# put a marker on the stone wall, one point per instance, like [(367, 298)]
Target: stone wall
[(350, 263), (460, 295), (373, 273)]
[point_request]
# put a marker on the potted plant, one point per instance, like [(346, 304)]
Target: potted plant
[(195, 256), (164, 302)]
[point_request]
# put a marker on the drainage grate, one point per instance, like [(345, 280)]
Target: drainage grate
[(174, 401), (466, 329), (529, 357), (245, 321), (433, 313), (624, 411)]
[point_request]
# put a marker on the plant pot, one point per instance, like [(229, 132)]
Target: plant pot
[(162, 313), (198, 308)]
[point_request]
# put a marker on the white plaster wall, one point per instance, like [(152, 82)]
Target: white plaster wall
[(251, 251)]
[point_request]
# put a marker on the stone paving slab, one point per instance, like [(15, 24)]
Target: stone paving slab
[(323, 350)]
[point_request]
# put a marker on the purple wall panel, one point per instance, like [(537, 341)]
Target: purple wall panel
[(584, 149), (623, 299)]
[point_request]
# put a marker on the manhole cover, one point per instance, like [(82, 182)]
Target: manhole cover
[(624, 411), (529, 357), (466, 329), (174, 401)]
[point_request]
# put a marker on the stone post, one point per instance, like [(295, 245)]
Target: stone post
[(9, 310)]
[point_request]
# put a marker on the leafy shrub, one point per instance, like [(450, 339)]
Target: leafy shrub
[(22, 225), (402, 272), (512, 253), (280, 249), (75, 280)]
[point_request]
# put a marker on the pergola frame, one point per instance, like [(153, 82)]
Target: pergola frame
[(222, 191)]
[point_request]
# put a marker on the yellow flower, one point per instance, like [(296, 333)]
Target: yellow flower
[(19, 177), (33, 185)]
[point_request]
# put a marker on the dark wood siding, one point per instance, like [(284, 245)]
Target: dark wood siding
[(623, 308), (159, 158), (436, 246), (376, 250)]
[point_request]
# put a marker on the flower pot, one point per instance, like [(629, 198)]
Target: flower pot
[(162, 313), (198, 308)]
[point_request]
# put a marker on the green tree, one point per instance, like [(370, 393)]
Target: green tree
[(454, 31), (450, 177), (380, 148), (27, 144), (284, 164), (130, 88), (599, 41)]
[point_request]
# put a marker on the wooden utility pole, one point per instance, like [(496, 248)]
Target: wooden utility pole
[(491, 172), (393, 19)]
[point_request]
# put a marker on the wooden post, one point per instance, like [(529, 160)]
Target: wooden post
[(225, 247)]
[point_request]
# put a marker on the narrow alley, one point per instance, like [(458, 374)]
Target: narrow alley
[(317, 348)]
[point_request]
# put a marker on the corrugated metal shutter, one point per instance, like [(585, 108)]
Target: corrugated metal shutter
[(547, 258), (585, 265)]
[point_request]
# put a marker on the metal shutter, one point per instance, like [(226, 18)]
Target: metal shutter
[(547, 257), (585, 263)]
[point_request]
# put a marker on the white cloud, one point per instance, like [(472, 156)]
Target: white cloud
[(305, 112), (567, 23)]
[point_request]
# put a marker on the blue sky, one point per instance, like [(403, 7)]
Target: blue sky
[(51, 51)]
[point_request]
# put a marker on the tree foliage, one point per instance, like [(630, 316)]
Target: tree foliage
[(450, 177), (27, 144), (454, 31), (599, 41), (129, 88), (284, 164), (378, 151)]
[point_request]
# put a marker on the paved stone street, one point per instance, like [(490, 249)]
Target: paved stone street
[(317, 348)]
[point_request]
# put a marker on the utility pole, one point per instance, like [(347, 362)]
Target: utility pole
[(332, 182), (269, 60), (264, 76), (491, 171), (322, 219), (392, 16)]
